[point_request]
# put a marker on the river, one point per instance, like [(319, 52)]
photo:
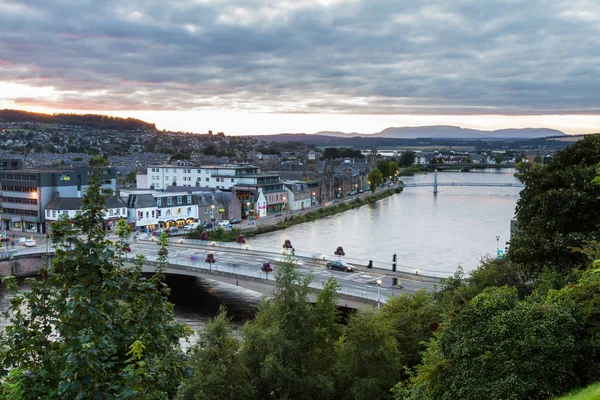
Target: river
[(433, 234)]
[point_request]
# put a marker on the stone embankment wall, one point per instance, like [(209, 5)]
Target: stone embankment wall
[(22, 265)]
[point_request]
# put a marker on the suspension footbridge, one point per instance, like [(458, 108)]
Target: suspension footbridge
[(435, 184)]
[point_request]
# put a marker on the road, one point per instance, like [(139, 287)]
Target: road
[(358, 283)]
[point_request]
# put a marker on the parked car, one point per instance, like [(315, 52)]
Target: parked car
[(236, 221), (29, 243), (173, 229), (225, 222), (158, 232), (340, 266), (192, 226)]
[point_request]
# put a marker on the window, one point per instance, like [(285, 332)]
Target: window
[(78, 212), (169, 201), (158, 201), (47, 213), (232, 179), (189, 199), (125, 211), (166, 169), (152, 213), (207, 179), (199, 171), (179, 200), (207, 171), (166, 178), (53, 213), (110, 212)]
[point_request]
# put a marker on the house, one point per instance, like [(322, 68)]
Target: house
[(70, 207)]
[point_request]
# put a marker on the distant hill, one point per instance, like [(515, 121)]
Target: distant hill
[(88, 120), (451, 132)]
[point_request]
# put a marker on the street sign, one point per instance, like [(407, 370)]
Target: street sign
[(500, 254)]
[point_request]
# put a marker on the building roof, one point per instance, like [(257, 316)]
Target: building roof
[(76, 203)]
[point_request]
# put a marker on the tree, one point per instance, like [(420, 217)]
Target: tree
[(210, 150), (130, 177), (289, 348), (368, 358), (501, 347), (558, 209), (407, 159), (388, 168), (414, 318), (374, 179), (216, 359), (498, 159), (331, 153), (91, 327), (538, 159), (180, 156)]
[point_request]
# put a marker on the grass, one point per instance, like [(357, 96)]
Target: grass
[(591, 392)]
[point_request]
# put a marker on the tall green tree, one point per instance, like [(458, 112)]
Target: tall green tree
[(368, 358), (414, 318), (501, 347), (219, 369), (407, 159), (289, 348), (92, 327), (374, 178), (559, 209)]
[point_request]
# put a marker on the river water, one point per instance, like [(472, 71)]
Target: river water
[(431, 233)]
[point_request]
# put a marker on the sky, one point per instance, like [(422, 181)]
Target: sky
[(275, 66)]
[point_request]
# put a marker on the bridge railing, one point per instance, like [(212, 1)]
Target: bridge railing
[(379, 264), (358, 290)]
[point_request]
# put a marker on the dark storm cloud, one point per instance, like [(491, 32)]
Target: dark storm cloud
[(388, 57)]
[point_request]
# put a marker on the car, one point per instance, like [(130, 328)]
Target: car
[(340, 265), (29, 243), (173, 229), (236, 221), (158, 232), (192, 226), (225, 222)]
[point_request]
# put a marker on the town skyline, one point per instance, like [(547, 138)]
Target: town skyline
[(254, 67)]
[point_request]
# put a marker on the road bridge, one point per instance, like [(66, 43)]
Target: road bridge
[(240, 266)]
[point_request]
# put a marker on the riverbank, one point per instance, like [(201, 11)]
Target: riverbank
[(286, 221)]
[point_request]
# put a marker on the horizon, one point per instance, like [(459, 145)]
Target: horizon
[(261, 68)]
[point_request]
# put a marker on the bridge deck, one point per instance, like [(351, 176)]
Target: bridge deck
[(462, 184)]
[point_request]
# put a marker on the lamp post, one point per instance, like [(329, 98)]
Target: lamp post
[(247, 209), (378, 292), (340, 192), (497, 244)]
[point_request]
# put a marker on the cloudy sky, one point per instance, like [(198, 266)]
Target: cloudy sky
[(269, 66)]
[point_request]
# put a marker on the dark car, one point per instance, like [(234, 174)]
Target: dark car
[(235, 221), (340, 266)]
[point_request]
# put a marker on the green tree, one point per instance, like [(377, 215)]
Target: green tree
[(374, 179), (368, 359), (498, 159), (501, 348), (219, 369), (290, 346), (92, 328), (538, 159), (407, 159), (130, 177), (414, 318), (210, 150), (559, 209)]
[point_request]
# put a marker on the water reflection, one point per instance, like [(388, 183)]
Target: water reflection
[(431, 233)]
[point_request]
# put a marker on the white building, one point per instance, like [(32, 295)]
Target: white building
[(70, 207), (299, 195), (184, 174), (149, 210)]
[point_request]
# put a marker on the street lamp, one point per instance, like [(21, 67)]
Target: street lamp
[(378, 281), (497, 244)]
